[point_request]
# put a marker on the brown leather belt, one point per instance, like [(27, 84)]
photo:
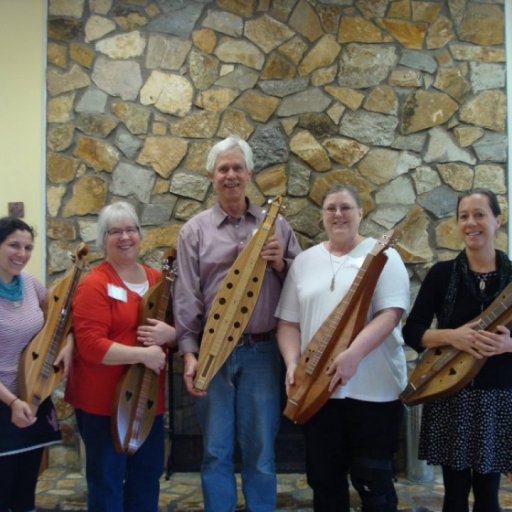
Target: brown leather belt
[(249, 338)]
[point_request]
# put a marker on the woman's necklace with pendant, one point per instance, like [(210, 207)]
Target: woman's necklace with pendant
[(483, 277), (333, 280)]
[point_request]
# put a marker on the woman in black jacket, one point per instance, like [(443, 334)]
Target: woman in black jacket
[(470, 432)]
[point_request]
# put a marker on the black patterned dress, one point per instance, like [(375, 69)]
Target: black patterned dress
[(473, 427)]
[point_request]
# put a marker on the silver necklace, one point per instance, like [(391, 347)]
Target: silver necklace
[(483, 277), (333, 280)]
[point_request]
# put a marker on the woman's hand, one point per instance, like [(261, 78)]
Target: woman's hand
[(290, 377), (465, 338), (65, 356), (21, 414), (154, 358), (491, 344), (156, 332), (288, 340), (343, 368)]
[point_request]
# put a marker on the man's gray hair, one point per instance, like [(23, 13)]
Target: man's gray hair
[(231, 142)]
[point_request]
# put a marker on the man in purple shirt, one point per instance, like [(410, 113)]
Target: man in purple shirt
[(242, 403)]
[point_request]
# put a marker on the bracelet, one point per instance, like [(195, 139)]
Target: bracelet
[(12, 401)]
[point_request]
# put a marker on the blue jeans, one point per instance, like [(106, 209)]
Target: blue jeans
[(117, 482), (242, 404)]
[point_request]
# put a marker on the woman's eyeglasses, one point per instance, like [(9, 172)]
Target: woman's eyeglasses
[(118, 232), (331, 210)]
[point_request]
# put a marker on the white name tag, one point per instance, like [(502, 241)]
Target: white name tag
[(117, 292)]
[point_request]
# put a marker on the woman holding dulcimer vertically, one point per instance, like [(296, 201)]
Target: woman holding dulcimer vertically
[(468, 433), (356, 431), (107, 339), (23, 432)]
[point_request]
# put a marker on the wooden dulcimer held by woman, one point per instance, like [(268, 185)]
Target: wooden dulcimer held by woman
[(234, 302), (38, 376), (311, 388), (136, 400), (443, 371)]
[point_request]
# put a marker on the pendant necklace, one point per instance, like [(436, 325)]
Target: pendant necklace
[(333, 280), (483, 277)]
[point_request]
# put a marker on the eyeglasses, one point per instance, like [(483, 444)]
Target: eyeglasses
[(331, 210), (118, 232)]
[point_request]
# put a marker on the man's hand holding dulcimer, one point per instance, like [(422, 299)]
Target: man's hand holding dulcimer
[(234, 302)]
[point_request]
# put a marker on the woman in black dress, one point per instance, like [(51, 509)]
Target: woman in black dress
[(470, 432)]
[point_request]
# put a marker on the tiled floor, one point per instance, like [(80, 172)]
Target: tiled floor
[(61, 491)]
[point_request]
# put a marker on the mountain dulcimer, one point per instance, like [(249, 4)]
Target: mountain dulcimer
[(442, 371), (38, 376), (311, 388), (234, 302), (136, 399)]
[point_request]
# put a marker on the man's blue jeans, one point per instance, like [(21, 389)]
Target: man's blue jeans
[(242, 404), (116, 482)]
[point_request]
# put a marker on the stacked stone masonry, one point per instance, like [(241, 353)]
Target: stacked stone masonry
[(403, 99)]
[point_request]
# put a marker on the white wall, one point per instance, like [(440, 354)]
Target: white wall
[(22, 115)]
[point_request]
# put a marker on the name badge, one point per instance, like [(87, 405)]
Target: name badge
[(117, 292)]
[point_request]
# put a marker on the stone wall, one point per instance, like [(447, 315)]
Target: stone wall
[(404, 99)]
